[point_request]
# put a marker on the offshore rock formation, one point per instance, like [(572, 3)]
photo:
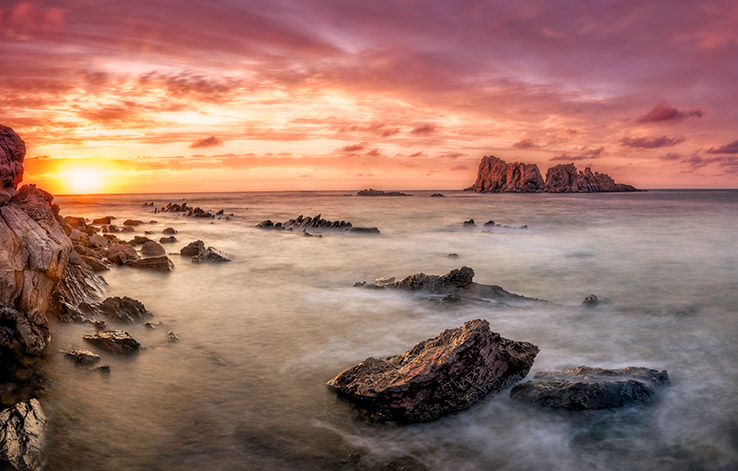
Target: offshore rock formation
[(495, 175), (587, 388), (373, 192), (316, 223), (439, 376), (455, 286)]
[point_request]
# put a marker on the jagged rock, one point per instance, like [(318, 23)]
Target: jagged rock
[(192, 249), (96, 264), (587, 388), (82, 356), (590, 300), (459, 282), (439, 376), (566, 178), (23, 435), (373, 192), (12, 153), (121, 254), (34, 251), (79, 285), (162, 263), (169, 230), (152, 248), (123, 309), (470, 222), (106, 220), (211, 254), (114, 341), (167, 240), (317, 224), (496, 175), (172, 337)]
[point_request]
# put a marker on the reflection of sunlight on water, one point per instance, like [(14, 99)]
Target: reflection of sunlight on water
[(262, 334)]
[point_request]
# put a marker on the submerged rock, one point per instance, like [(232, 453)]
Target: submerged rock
[(114, 341), (172, 337), (590, 300), (167, 240), (586, 388), (82, 356), (317, 224), (438, 376), (23, 435), (458, 281), (162, 263)]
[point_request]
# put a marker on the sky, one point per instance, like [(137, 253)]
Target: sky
[(240, 95)]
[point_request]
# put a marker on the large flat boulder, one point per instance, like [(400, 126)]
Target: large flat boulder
[(22, 436), (438, 376), (114, 341), (588, 388)]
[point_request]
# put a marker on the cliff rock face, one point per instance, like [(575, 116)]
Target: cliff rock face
[(495, 175), (34, 251)]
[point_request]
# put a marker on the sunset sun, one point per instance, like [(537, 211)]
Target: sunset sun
[(83, 181)]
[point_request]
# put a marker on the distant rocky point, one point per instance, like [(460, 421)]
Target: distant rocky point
[(497, 176), (373, 192), (315, 223)]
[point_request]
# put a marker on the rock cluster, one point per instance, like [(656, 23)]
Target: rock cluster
[(439, 376), (587, 388), (316, 223), (458, 284), (373, 192), (496, 175), (196, 212), (200, 254)]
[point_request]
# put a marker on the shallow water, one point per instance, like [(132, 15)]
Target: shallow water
[(260, 336)]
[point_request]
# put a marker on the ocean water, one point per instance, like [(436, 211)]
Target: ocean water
[(260, 336)]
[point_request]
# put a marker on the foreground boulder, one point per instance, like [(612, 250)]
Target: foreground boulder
[(317, 224), (114, 341), (439, 376), (22, 436), (587, 388), (458, 282), (192, 249), (151, 248), (162, 263)]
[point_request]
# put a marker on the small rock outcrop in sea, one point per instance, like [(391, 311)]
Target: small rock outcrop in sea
[(587, 388), (459, 282), (373, 192), (439, 376), (437, 195), (192, 249), (196, 212), (114, 341), (591, 300), (211, 254), (82, 357), (22, 436), (161, 263), (121, 309), (167, 240), (316, 224), (496, 175), (169, 231), (152, 249)]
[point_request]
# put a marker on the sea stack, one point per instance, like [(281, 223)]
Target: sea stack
[(497, 176)]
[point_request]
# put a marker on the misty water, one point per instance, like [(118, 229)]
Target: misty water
[(260, 336)]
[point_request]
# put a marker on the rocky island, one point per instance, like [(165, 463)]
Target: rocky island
[(497, 176)]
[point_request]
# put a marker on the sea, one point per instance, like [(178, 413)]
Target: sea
[(245, 388)]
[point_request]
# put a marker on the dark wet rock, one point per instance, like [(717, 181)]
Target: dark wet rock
[(524, 226), (192, 249), (453, 298), (111, 228), (438, 376), (590, 300), (187, 210), (153, 325), (121, 254), (588, 388), (102, 369), (172, 337), (211, 254), (489, 223), (82, 357), (123, 309), (23, 436), (104, 220), (127, 229), (96, 264), (316, 224), (437, 195), (114, 341), (373, 192), (132, 222), (220, 213), (470, 222), (169, 231), (138, 240), (151, 203), (453, 255), (496, 175), (152, 248), (458, 281), (168, 240), (162, 263)]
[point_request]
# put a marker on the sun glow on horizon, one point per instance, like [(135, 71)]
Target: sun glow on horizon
[(82, 181)]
